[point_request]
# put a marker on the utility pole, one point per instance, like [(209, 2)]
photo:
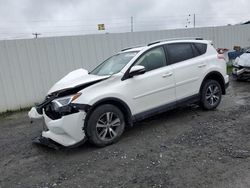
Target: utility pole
[(194, 20), (132, 22), (36, 34)]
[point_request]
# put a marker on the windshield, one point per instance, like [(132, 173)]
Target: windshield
[(114, 64)]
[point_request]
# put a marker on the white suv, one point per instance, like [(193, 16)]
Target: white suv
[(132, 85)]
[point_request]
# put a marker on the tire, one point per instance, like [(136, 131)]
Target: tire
[(211, 94), (100, 129)]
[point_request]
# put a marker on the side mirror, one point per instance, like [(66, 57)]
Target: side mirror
[(136, 70)]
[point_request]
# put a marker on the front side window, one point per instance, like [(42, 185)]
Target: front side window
[(178, 52), (153, 59), (114, 64)]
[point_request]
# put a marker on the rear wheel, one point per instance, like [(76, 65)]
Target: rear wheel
[(105, 125), (211, 94)]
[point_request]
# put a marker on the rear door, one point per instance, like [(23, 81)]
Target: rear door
[(187, 64)]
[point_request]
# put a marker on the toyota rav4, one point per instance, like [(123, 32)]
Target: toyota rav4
[(132, 85)]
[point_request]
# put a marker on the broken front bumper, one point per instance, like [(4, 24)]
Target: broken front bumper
[(241, 72), (67, 130)]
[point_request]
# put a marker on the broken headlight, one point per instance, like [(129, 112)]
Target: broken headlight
[(63, 102)]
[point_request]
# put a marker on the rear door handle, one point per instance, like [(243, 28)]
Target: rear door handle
[(202, 65), (167, 74)]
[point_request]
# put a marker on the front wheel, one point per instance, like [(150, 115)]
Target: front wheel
[(105, 125), (210, 94)]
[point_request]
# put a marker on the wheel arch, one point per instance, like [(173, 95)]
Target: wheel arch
[(116, 102), (215, 75)]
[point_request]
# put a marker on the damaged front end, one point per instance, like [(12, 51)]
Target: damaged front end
[(241, 67), (241, 73), (63, 117)]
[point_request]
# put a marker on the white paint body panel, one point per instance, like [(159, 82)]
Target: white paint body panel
[(187, 76), (150, 90), (75, 78), (66, 131), (33, 114)]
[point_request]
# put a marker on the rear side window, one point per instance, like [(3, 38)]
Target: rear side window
[(200, 48), (179, 52)]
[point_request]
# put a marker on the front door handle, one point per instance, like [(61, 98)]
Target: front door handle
[(167, 74), (202, 65)]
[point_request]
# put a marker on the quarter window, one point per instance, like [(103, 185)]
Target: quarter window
[(200, 47), (153, 59), (195, 50)]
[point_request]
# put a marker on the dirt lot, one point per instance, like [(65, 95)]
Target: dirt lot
[(186, 147)]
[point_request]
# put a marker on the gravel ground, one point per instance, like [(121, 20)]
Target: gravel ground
[(185, 147)]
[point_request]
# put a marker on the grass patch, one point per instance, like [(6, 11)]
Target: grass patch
[(11, 112), (229, 69)]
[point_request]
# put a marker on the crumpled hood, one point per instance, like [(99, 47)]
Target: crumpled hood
[(75, 78), (243, 60)]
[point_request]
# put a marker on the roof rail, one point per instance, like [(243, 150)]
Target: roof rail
[(183, 38), (131, 48)]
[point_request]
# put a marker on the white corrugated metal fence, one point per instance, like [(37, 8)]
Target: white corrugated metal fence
[(29, 67)]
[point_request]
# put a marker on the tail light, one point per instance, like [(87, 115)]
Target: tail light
[(221, 56)]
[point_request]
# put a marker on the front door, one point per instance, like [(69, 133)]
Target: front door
[(154, 88)]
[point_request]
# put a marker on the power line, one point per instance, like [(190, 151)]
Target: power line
[(135, 20), (119, 25), (119, 18), (109, 26)]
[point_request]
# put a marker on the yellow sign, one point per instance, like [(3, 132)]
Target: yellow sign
[(101, 27)]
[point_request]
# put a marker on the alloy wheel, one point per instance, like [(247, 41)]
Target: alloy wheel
[(213, 94), (107, 126)]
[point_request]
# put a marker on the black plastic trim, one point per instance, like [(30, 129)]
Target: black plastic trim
[(54, 145), (129, 48), (166, 107), (166, 40), (46, 142), (152, 43), (78, 106), (189, 100)]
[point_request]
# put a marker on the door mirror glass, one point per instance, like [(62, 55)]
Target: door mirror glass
[(136, 70)]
